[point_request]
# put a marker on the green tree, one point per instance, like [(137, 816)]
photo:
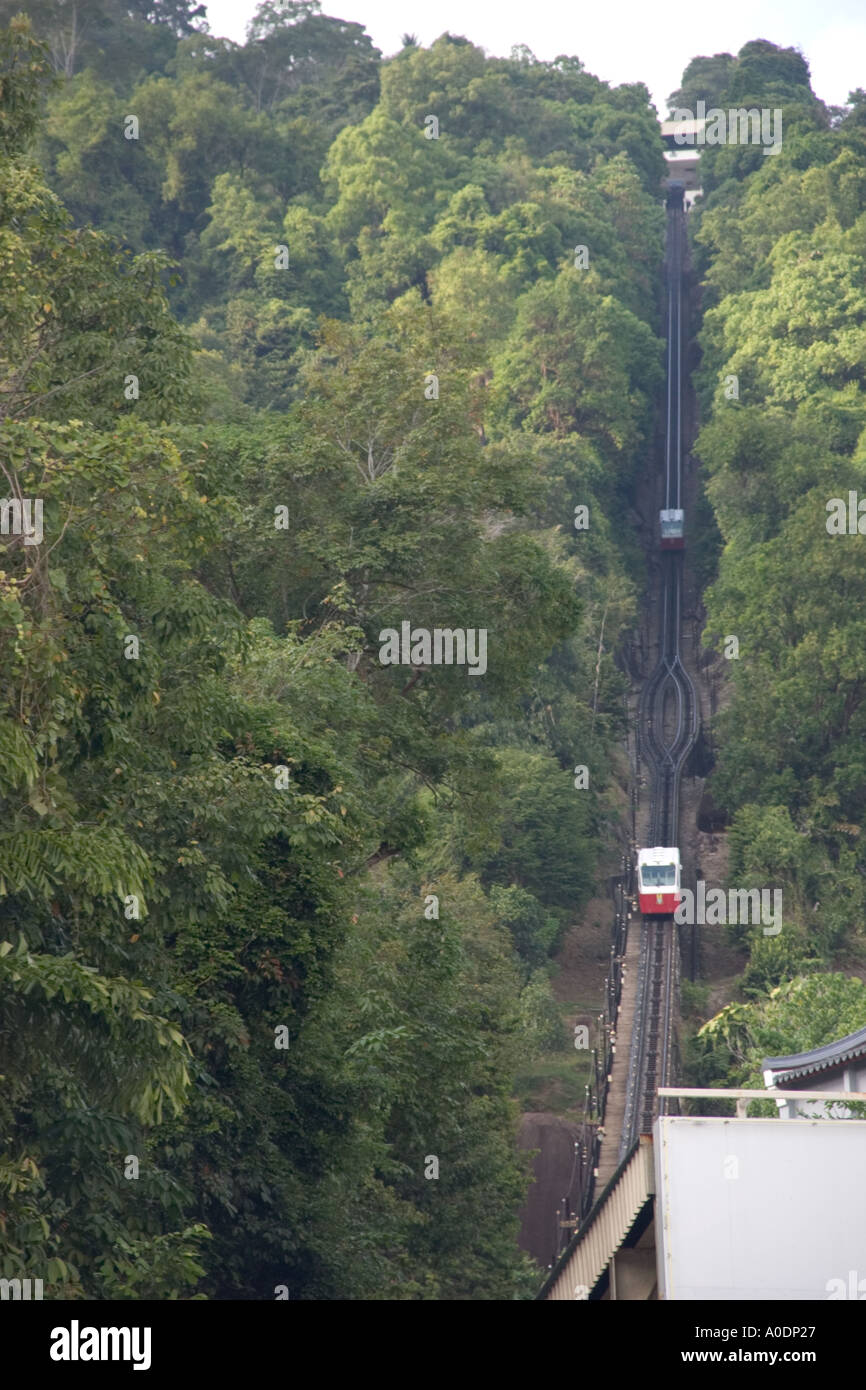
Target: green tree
[(802, 1014), (704, 79)]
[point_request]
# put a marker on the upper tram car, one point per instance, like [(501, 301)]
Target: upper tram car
[(658, 881), (672, 526)]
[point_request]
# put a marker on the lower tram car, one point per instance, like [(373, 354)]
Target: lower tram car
[(658, 881), (672, 527)]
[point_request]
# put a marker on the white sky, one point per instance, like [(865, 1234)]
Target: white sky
[(621, 41)]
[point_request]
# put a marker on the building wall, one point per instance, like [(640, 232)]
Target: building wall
[(759, 1209), (849, 1077)]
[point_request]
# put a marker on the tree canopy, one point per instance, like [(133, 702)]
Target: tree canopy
[(286, 373)]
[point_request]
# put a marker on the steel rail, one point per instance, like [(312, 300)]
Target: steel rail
[(669, 686)]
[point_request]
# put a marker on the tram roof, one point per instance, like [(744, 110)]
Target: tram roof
[(658, 855)]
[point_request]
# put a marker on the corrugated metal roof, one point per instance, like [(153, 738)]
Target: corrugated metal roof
[(819, 1059), (591, 1249)]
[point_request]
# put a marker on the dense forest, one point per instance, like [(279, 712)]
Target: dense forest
[(299, 345), (780, 249), (288, 373)]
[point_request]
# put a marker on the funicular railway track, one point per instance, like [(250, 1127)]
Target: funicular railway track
[(666, 734)]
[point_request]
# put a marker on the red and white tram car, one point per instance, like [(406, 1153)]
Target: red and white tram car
[(658, 881)]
